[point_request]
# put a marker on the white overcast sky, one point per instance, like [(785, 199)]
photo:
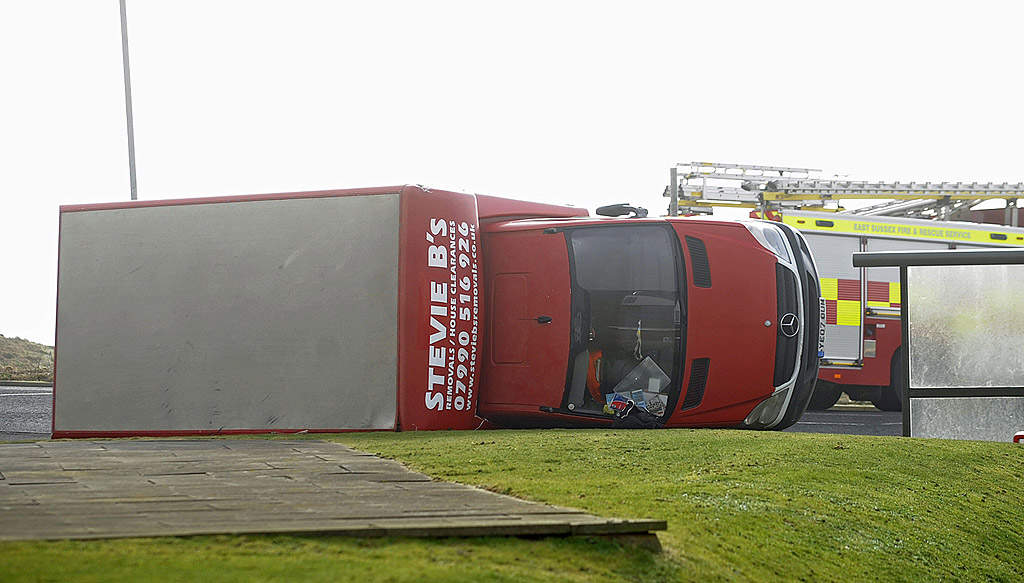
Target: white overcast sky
[(587, 103)]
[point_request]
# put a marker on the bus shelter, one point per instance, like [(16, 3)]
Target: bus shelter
[(963, 329)]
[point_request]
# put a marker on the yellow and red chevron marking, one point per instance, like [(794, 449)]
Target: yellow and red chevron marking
[(842, 301), (883, 294)]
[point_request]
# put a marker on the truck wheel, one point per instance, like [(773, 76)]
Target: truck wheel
[(824, 396), (891, 398)]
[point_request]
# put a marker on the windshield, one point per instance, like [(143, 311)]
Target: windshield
[(628, 317)]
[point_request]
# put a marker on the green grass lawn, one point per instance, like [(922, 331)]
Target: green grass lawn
[(740, 506)]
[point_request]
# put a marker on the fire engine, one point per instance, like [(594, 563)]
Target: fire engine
[(861, 353)]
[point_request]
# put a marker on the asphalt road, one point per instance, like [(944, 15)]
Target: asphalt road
[(851, 420), (25, 415)]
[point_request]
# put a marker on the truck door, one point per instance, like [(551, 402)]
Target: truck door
[(527, 273)]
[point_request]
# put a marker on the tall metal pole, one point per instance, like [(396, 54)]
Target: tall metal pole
[(128, 101), (673, 190)]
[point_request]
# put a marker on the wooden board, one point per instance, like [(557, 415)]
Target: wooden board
[(113, 489)]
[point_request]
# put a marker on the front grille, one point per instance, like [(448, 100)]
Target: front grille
[(699, 262), (787, 290), (698, 380)]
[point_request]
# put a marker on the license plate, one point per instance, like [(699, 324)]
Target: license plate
[(821, 327)]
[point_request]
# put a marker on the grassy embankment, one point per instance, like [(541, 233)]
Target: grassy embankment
[(23, 360), (741, 506)]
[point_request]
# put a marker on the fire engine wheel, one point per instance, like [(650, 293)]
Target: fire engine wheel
[(891, 398), (824, 396)]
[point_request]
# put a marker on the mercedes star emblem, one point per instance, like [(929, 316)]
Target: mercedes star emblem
[(789, 325)]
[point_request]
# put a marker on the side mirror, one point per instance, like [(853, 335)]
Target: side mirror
[(617, 210)]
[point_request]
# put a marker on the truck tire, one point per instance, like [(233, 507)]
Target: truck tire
[(824, 396), (891, 398)]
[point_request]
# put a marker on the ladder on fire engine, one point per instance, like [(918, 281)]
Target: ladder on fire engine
[(700, 186)]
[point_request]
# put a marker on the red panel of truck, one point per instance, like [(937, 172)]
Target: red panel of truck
[(440, 311), (493, 208), (726, 324)]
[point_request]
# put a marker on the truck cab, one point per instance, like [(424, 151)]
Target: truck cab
[(700, 323)]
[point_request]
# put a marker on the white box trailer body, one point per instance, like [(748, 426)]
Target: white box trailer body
[(289, 312)]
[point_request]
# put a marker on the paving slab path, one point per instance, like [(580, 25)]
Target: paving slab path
[(113, 489)]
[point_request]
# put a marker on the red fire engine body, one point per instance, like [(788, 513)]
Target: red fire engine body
[(414, 309)]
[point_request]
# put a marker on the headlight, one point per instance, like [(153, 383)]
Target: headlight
[(770, 238), (768, 412)]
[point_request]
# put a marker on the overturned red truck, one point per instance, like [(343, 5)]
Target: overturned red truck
[(408, 308)]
